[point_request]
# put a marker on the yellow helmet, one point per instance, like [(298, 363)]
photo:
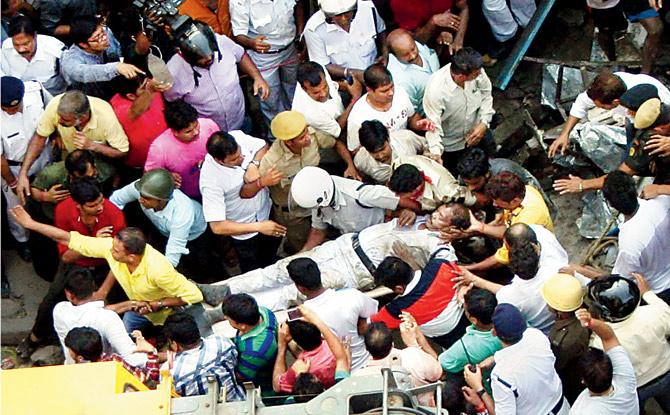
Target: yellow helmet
[(563, 292), (288, 125)]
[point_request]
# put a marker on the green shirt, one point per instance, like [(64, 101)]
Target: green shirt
[(257, 350)]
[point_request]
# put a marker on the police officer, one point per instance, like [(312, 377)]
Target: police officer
[(22, 107), (346, 204), (295, 147), (343, 36), (268, 29)]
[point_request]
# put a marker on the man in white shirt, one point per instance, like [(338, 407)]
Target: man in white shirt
[(235, 208), (458, 101), (609, 376), (535, 256), (32, 57), (411, 63), (22, 107), (82, 310), (380, 148), (327, 304), (507, 19), (317, 98), (267, 30), (343, 36), (386, 103), (644, 236), (348, 261), (523, 380), (605, 92)]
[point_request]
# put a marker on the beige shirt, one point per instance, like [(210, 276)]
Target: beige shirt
[(289, 164), (103, 127), (441, 187), (644, 336), (402, 142), (455, 110)]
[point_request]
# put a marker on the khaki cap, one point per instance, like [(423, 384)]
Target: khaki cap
[(647, 114), (563, 292), (288, 125)]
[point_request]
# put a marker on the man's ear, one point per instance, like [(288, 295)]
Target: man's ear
[(70, 297), (616, 102), (493, 332)]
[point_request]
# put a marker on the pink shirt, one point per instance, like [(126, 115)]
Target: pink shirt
[(184, 158), (322, 365)]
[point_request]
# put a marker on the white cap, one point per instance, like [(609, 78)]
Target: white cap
[(312, 187), (335, 7)]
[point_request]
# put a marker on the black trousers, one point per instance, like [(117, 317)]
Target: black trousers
[(450, 158), (257, 252)]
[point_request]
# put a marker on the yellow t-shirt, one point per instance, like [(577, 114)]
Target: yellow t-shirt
[(103, 127), (154, 279), (533, 211)]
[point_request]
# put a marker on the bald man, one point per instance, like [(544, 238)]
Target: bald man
[(411, 64)]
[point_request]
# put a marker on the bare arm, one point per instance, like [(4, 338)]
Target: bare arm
[(334, 343), (6, 172), (35, 148), (229, 228), (23, 218), (599, 327), (314, 239), (280, 362)]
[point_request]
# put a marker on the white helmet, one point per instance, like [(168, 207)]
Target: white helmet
[(312, 187), (335, 7)]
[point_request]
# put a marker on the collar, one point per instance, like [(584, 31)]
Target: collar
[(449, 82), (287, 154), (92, 304), (80, 221)]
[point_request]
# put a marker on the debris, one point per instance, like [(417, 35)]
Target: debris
[(48, 356)]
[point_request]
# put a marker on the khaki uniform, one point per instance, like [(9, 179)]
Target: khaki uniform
[(440, 187), (289, 164)]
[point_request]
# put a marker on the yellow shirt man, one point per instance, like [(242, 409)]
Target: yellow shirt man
[(533, 211), (154, 278)]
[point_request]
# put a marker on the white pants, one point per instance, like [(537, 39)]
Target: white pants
[(504, 22), (279, 70)]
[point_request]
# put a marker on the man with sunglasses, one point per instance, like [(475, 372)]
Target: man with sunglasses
[(344, 36)]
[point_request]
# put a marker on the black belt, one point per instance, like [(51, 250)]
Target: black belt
[(271, 52), (557, 408), (14, 163), (356, 244)]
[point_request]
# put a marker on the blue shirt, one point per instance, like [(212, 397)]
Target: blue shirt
[(413, 78), (181, 220), (215, 356)]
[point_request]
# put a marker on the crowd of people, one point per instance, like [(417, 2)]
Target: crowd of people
[(296, 157)]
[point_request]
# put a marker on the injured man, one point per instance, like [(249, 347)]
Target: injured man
[(348, 261)]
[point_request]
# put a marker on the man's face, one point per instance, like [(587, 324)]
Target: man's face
[(384, 155), (343, 19), (234, 324), (604, 106), (383, 94), (98, 42), (319, 93), (25, 45), (72, 120), (234, 160), (511, 205), (13, 109), (205, 62), (440, 218), (151, 203), (477, 184), (189, 133), (414, 194), (409, 55), (119, 251), (94, 208), (300, 142)]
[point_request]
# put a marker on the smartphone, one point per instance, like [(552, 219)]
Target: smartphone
[(294, 314)]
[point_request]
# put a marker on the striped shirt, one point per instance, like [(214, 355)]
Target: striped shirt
[(258, 349), (216, 356)]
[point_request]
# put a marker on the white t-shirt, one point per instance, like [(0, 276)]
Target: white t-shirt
[(321, 116), (220, 187), (394, 119), (340, 310), (623, 398)]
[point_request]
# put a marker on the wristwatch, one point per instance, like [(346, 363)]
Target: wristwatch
[(481, 392), (256, 163)]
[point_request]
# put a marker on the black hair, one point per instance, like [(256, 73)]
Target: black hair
[(82, 28), (79, 281), (481, 304), (179, 114), (596, 370), (393, 271), (305, 273), (372, 135), (606, 87), (221, 145), (85, 190), (85, 342), (474, 163), (466, 61), (520, 234), (310, 73), (619, 190), (524, 261), (76, 163), (125, 86), (406, 178), (378, 340), (377, 75), (460, 216), (181, 328), (306, 386), (506, 186), (452, 393), (21, 24), (242, 308), (133, 239), (307, 335)]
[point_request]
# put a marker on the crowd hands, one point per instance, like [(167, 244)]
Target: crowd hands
[(409, 197)]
